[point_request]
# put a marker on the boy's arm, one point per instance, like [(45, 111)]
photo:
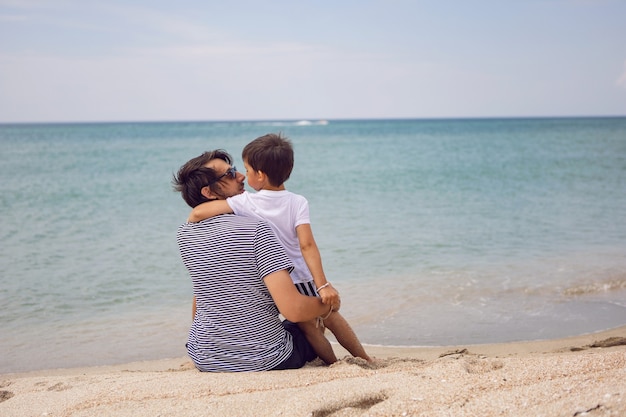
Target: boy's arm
[(313, 259), (209, 209)]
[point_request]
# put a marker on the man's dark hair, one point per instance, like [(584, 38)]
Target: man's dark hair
[(193, 176)]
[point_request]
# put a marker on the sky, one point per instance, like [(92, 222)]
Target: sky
[(156, 60)]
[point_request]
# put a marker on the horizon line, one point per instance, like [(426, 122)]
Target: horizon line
[(312, 121)]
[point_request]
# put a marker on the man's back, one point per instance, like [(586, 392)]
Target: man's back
[(236, 327)]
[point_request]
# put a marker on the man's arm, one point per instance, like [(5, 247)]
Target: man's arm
[(313, 259), (292, 305), (209, 209)]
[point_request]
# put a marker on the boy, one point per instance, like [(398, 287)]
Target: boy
[(268, 161)]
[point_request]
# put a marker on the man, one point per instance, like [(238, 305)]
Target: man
[(241, 282)]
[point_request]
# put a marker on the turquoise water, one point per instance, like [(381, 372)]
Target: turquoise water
[(435, 231)]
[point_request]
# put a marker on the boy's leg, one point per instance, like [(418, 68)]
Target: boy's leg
[(302, 350), (320, 344), (345, 335)]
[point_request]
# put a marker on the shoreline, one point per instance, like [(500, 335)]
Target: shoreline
[(568, 376)]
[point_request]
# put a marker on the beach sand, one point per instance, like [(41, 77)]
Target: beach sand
[(578, 376)]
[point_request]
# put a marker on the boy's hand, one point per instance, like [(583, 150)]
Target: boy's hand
[(329, 295)]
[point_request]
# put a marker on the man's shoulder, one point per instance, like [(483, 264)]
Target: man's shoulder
[(241, 222), (219, 227), (222, 220)]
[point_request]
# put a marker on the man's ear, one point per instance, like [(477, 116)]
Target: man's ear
[(206, 191)]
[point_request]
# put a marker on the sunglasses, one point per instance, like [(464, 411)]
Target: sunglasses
[(232, 171)]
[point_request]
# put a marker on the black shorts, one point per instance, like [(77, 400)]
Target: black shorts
[(302, 350)]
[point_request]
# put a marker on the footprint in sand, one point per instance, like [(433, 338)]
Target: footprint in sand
[(362, 403), (59, 387), (5, 395), (481, 366)]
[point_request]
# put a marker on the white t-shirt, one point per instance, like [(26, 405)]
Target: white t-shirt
[(284, 211)]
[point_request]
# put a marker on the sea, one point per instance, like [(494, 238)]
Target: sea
[(435, 232)]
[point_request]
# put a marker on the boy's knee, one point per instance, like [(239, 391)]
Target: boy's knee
[(332, 319)]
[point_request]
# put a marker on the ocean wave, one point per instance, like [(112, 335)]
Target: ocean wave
[(603, 286)]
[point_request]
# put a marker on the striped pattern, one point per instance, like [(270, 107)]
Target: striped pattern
[(307, 288), (236, 327)]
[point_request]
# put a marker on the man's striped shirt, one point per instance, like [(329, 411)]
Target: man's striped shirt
[(236, 327)]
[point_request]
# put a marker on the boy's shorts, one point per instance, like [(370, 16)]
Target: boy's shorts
[(302, 350), (307, 288)]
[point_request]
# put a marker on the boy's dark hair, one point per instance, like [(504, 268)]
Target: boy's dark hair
[(271, 154), (193, 176)]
